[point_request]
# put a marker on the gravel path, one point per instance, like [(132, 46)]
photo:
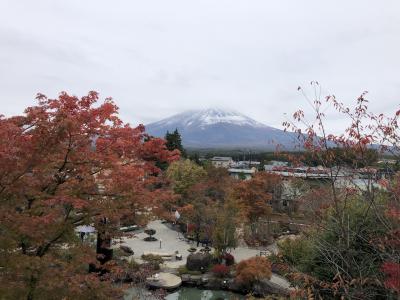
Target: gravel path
[(171, 241)]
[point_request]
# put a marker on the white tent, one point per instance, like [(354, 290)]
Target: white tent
[(85, 229)]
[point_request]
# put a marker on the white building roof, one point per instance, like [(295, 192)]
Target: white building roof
[(221, 158), (244, 171)]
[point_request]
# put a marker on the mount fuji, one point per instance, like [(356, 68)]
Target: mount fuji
[(222, 128)]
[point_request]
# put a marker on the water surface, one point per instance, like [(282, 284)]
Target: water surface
[(184, 293), (188, 293)]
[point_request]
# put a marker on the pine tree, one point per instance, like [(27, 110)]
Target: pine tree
[(174, 141)]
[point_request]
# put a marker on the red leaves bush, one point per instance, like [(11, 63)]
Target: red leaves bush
[(229, 259), (252, 270), (220, 270), (392, 271), (191, 228)]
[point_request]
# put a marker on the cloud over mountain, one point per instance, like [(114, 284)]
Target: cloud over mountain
[(222, 128)]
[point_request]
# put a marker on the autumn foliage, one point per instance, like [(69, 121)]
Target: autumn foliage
[(355, 244), (69, 161), (392, 271), (255, 195), (220, 270), (252, 270), (229, 259)]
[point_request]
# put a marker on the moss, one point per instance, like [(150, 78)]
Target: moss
[(183, 270)]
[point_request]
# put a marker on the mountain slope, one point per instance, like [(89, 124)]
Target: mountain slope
[(218, 128)]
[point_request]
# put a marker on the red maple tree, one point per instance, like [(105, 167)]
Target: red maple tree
[(365, 131), (66, 162), (254, 195)]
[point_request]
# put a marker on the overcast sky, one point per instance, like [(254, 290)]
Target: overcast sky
[(157, 58)]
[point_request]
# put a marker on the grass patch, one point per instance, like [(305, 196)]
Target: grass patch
[(183, 270)]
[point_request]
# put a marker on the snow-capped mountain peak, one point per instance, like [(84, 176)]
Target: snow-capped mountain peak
[(210, 116), (216, 127)]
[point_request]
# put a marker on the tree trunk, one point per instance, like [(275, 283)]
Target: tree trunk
[(32, 287), (103, 248)]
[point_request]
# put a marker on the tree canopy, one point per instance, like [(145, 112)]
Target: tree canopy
[(66, 162), (184, 174), (174, 142), (352, 249)]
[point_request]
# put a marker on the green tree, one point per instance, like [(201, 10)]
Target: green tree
[(204, 201), (203, 220), (174, 141), (298, 252), (196, 158), (184, 174), (325, 252), (224, 235)]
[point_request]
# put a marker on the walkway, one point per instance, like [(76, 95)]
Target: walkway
[(164, 280), (170, 243)]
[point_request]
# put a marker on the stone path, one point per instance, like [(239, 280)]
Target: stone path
[(164, 280), (170, 243)]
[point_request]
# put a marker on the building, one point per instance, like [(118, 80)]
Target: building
[(304, 172), (246, 164), (386, 161), (275, 163), (359, 185), (244, 174), (222, 161)]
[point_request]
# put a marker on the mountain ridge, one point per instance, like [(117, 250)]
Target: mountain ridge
[(221, 128)]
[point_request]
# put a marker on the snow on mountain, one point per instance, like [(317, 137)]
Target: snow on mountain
[(220, 128), (206, 117)]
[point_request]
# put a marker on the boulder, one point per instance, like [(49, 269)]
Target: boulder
[(198, 261), (126, 249), (266, 287), (263, 287)]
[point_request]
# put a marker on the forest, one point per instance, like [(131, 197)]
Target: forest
[(71, 161)]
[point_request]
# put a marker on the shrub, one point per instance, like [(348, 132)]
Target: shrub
[(299, 252), (191, 228), (150, 232), (183, 270), (229, 259), (220, 270), (251, 270), (153, 260), (119, 253), (126, 249), (278, 264), (133, 265), (136, 272), (192, 249)]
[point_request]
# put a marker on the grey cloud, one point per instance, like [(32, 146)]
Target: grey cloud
[(158, 58)]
